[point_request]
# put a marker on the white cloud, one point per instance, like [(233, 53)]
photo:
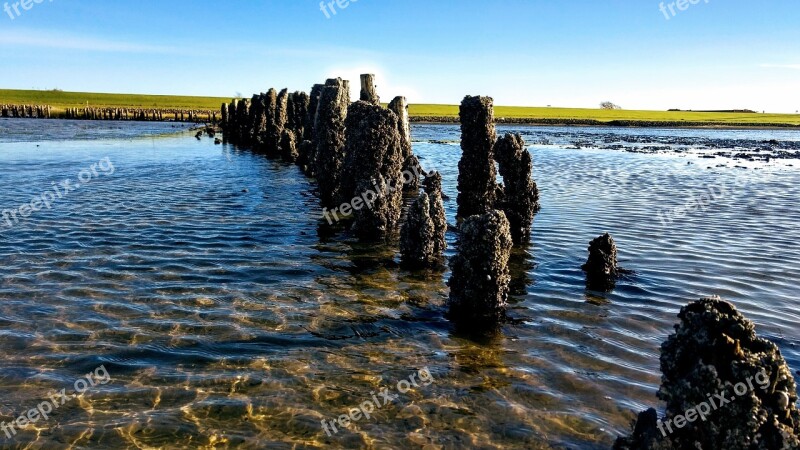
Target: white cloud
[(387, 89)]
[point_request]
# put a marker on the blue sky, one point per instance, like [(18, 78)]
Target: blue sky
[(719, 54)]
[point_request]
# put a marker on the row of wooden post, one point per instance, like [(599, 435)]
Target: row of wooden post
[(26, 111), (143, 115), (91, 113)]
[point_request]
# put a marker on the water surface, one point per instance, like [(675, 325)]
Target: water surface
[(200, 277)]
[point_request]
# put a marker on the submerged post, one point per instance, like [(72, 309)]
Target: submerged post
[(479, 284), (736, 385), (417, 235), (422, 237), (411, 164), (373, 171), (307, 150), (521, 195), (602, 268), (329, 133), (433, 187)]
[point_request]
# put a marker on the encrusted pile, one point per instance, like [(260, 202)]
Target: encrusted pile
[(602, 268), (373, 171), (329, 137), (716, 353), (520, 199), (476, 171), (479, 283)]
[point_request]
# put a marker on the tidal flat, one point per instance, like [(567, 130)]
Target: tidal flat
[(227, 315)]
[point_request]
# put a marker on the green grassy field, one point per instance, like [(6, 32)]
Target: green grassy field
[(517, 112), (60, 100)]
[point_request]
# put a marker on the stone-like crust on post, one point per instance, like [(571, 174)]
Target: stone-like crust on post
[(476, 171), (373, 164), (288, 146), (297, 112), (271, 137), (602, 268), (223, 117), (714, 349), (281, 116), (242, 121), (433, 187), (411, 164), (520, 199), (479, 284), (258, 121), (418, 235), (329, 134)]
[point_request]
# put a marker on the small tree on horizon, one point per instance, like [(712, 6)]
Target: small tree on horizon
[(609, 105)]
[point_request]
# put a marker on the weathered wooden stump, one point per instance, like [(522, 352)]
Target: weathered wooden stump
[(602, 268), (373, 171), (476, 171), (411, 163), (433, 187), (307, 151), (736, 385), (479, 284), (329, 133), (288, 146), (418, 235), (520, 195), (369, 93)]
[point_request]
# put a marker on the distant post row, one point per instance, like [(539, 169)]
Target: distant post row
[(99, 113)]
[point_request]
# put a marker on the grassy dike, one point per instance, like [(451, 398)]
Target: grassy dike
[(60, 100)]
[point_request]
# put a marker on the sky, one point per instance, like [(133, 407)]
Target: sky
[(716, 54)]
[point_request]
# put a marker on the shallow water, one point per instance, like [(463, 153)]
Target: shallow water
[(226, 316)]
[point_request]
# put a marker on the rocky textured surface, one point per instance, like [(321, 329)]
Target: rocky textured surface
[(480, 275), (329, 135), (520, 200), (243, 121), (433, 187), (307, 149), (418, 235), (258, 120), (411, 164), (476, 171), (224, 116), (602, 268), (373, 164), (297, 112), (288, 146), (281, 116), (271, 137), (715, 351)]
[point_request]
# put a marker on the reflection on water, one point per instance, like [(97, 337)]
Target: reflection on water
[(228, 316)]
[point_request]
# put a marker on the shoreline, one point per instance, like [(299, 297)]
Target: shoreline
[(444, 120), (576, 123)]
